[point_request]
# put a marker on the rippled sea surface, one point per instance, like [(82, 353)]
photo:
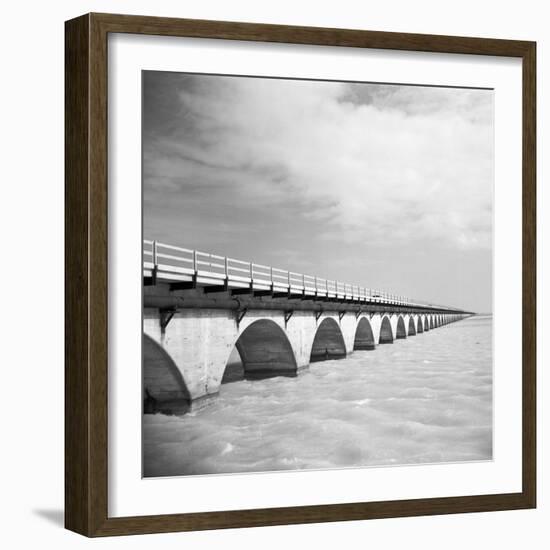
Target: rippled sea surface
[(421, 400)]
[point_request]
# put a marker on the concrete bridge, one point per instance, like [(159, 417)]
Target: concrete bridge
[(198, 307)]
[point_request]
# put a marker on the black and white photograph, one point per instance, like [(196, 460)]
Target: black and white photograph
[(317, 274), (275, 275)]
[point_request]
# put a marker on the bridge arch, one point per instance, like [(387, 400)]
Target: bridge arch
[(265, 351), (419, 325), (164, 389), (386, 333), (412, 328), (426, 323), (328, 342), (364, 337), (400, 331), (431, 322)]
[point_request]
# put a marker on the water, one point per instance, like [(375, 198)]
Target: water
[(425, 399)]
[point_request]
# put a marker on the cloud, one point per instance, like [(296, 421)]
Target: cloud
[(387, 164)]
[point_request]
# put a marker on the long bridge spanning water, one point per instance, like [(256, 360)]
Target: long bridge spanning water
[(199, 306)]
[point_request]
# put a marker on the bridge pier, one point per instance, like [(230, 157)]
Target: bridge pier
[(186, 351), (198, 343)]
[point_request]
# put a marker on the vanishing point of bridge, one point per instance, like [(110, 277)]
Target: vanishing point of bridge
[(199, 306)]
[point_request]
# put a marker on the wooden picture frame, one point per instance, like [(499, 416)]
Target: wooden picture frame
[(86, 230)]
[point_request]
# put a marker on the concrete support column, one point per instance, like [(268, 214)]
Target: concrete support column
[(348, 326), (300, 329), (199, 343)]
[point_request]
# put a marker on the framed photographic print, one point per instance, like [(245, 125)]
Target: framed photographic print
[(300, 275)]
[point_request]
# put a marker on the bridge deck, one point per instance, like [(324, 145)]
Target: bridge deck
[(172, 264)]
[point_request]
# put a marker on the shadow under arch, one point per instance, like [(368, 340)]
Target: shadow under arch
[(364, 337), (386, 334), (328, 342), (412, 328), (419, 326), (401, 331), (426, 324), (431, 323), (264, 351), (164, 389)]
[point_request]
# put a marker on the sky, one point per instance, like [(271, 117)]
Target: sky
[(385, 186)]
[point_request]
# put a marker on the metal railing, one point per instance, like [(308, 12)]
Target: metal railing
[(177, 263)]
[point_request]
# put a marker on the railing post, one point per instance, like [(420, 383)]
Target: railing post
[(226, 268), (303, 281), (251, 271), (195, 261), (154, 271), (154, 250)]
